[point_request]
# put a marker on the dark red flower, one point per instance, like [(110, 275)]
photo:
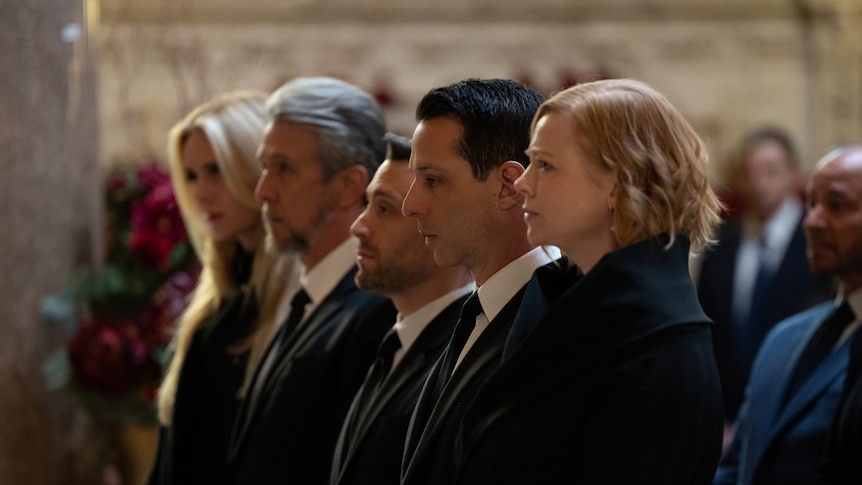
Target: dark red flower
[(133, 303)]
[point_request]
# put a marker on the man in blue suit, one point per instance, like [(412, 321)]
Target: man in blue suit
[(798, 374), (841, 463)]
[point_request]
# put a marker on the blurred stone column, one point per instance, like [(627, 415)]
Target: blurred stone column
[(49, 205)]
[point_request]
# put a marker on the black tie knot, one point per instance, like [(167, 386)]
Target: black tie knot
[(466, 323), (299, 300), (842, 316), (471, 309), (297, 311), (389, 345)]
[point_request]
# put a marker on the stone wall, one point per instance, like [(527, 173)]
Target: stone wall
[(48, 205), (728, 65)]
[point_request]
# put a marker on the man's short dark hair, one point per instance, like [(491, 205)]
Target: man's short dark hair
[(397, 147), (495, 117)]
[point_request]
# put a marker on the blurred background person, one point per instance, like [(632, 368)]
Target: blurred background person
[(799, 372), (394, 261), (757, 274), (609, 375), (232, 314)]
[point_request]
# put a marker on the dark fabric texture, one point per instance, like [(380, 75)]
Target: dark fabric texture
[(193, 449), (614, 383), (371, 443), (429, 448), (842, 455), (289, 433)]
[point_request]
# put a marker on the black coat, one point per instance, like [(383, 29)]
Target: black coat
[(193, 449), (289, 434), (371, 451), (616, 383)]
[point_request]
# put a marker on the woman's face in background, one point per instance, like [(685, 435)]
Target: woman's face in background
[(225, 217)]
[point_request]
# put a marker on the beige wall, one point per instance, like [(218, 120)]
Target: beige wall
[(728, 65)]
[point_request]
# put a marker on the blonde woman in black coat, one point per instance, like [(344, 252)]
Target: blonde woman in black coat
[(232, 314), (608, 374)]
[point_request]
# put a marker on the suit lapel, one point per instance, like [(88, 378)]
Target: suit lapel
[(291, 348), (485, 351), (424, 350), (819, 381), (781, 365)]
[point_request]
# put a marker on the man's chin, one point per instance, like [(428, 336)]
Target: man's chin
[(274, 245)]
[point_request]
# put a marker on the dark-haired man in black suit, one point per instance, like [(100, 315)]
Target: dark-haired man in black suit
[(468, 149), (393, 261)]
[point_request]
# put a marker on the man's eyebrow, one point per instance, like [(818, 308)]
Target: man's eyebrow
[(384, 193)]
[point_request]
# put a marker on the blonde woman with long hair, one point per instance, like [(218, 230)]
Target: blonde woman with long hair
[(232, 314)]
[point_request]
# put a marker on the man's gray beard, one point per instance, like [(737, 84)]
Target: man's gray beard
[(297, 243), (292, 245)]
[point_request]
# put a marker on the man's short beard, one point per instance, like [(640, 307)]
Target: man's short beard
[(295, 244), (390, 280)]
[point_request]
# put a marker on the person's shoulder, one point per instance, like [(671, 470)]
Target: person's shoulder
[(800, 322), (367, 304)]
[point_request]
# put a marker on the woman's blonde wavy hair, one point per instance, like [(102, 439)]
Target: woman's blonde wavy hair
[(663, 185), (233, 124)]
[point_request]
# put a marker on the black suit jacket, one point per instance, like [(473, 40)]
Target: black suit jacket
[(428, 454), (841, 462), (288, 434), (615, 384), (371, 443), (793, 288)]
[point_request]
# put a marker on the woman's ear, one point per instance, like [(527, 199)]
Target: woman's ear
[(509, 196), (612, 196)]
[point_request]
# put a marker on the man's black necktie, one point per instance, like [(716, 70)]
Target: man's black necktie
[(383, 363), (820, 345), (761, 283), (373, 381), (466, 323), (297, 311)]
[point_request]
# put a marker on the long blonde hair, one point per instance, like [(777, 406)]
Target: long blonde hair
[(233, 124), (661, 162)]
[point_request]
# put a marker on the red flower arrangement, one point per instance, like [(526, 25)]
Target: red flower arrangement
[(123, 317)]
